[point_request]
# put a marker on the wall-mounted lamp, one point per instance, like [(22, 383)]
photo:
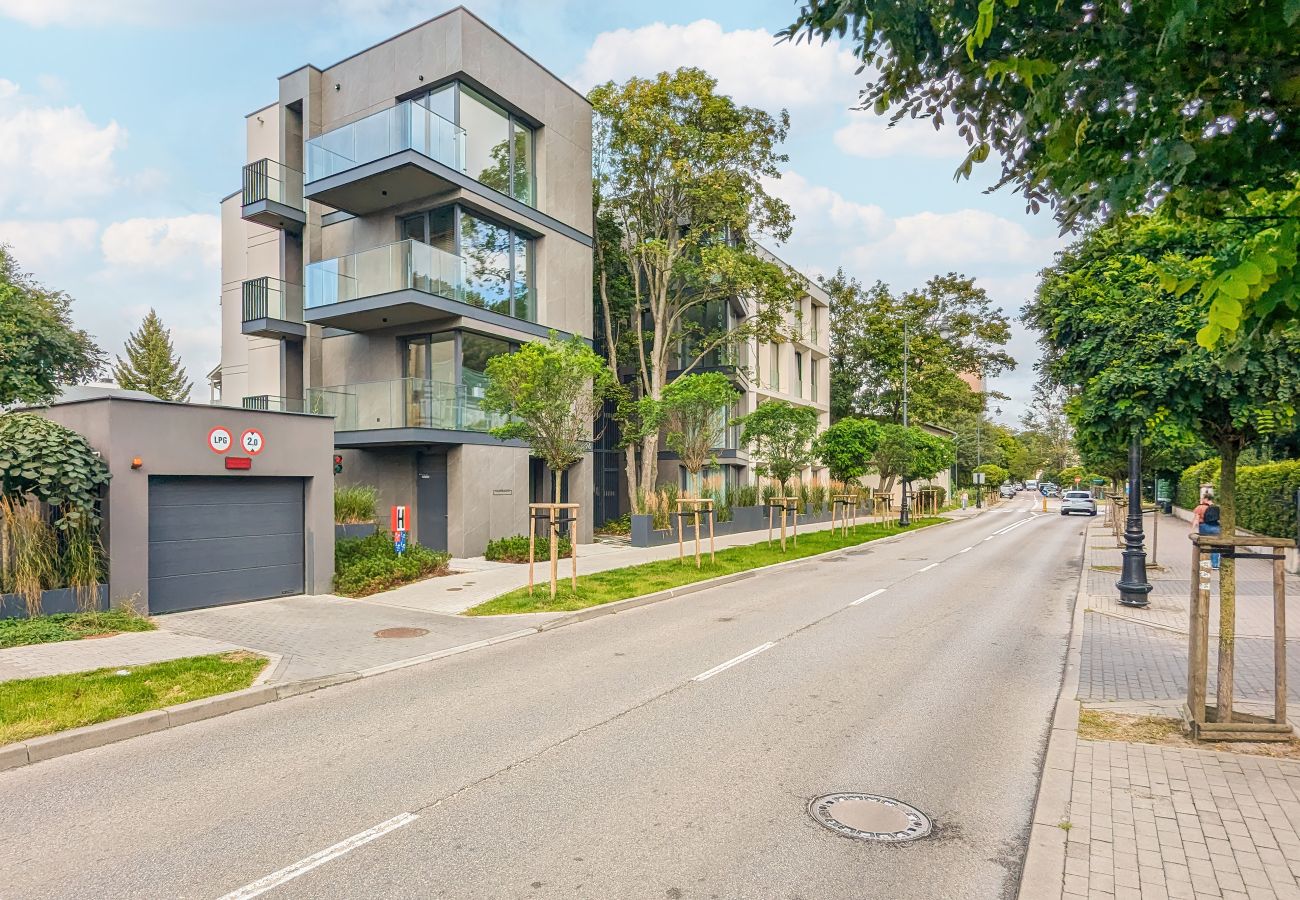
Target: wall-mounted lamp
[(136, 462), (336, 86)]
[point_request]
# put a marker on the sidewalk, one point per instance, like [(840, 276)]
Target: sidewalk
[(1118, 819), (134, 648)]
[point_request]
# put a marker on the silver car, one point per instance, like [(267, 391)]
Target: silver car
[(1078, 501)]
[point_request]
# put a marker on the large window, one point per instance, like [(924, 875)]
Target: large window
[(498, 265), (498, 146), (701, 324)]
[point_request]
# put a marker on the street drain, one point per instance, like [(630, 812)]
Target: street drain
[(869, 817), (401, 632)]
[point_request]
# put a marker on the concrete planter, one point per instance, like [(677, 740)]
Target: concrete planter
[(363, 529), (57, 600)]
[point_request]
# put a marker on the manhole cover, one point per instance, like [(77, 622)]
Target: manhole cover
[(401, 632), (869, 817)]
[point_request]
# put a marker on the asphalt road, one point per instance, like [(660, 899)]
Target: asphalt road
[(594, 761)]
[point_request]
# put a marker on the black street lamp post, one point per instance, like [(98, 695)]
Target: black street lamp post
[(905, 514), (1133, 585)]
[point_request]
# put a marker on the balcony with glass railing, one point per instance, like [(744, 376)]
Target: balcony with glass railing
[(383, 159), (403, 403), (272, 195), (272, 308)]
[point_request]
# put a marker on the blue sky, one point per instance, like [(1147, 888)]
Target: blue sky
[(121, 127)]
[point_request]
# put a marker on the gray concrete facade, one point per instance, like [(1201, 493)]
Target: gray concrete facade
[(172, 439), (350, 134)]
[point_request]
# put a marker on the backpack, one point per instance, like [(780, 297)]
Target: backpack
[(1211, 516)]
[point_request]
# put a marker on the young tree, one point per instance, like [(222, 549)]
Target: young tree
[(695, 415), (847, 446), (953, 329), (551, 390), (1104, 109), (910, 454), (1113, 332), (151, 364), (39, 347), (994, 475), (781, 435), (679, 173)]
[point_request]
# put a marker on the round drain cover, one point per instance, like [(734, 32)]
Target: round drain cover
[(869, 817), (401, 632)]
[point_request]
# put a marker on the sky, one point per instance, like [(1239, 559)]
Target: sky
[(121, 128)]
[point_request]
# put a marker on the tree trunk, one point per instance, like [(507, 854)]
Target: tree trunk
[(1227, 581), (634, 499), (650, 462)]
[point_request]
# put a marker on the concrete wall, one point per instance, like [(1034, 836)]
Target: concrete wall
[(487, 498), (171, 439)]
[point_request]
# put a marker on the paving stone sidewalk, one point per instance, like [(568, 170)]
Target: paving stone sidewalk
[(1128, 820), (133, 648)]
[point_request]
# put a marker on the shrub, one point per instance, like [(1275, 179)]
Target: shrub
[(746, 495), (1189, 483), (514, 549), (29, 562), (355, 504), (817, 496), (1266, 498), (620, 525), (370, 564), (56, 465)]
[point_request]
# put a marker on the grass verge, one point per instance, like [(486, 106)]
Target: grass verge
[(1097, 725), (69, 627), (633, 581), (31, 707)]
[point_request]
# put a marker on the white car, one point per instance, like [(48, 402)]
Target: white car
[(1078, 501)]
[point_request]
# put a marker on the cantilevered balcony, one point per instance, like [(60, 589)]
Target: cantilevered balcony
[(273, 403), (404, 411), (273, 308), (408, 282), (387, 158), (272, 196)]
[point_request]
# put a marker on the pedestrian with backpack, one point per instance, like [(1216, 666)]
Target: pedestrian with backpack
[(1206, 519)]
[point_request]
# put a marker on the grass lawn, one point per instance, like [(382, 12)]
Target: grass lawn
[(633, 581), (30, 707), (69, 627)]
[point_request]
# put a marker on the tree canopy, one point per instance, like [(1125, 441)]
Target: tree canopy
[(40, 350), (910, 453), (781, 435), (694, 416), (680, 176), (151, 364), (953, 329), (42, 460), (847, 446), (1107, 108)]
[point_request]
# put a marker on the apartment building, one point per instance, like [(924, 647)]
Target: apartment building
[(796, 371), (405, 215)]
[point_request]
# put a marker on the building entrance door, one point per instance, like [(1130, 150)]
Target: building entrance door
[(431, 500)]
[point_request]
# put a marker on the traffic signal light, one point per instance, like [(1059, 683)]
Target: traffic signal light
[(338, 464)]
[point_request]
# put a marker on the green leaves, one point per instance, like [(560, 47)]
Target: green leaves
[(151, 364), (847, 446), (694, 409), (41, 459), (781, 435)]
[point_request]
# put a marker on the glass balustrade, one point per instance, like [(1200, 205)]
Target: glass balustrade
[(271, 298), (403, 403), (406, 126), (404, 265), (267, 179)]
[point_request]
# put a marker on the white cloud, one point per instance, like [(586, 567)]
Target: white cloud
[(963, 237), (52, 156), (818, 208), (186, 244), (49, 242), (872, 137), (748, 63)]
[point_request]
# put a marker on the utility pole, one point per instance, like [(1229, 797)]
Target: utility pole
[(979, 451), (904, 514)]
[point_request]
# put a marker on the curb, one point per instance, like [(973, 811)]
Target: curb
[(1043, 875), (22, 753)]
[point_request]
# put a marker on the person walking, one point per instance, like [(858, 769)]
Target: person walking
[(1206, 519), (965, 498)]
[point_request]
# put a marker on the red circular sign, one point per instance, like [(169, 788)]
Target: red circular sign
[(252, 442), (219, 440)]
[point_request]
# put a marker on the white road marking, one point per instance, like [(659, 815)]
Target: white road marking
[(967, 549), (303, 866), (927, 568), (875, 593), (991, 536), (703, 676)]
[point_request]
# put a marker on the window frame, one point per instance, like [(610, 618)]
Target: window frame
[(511, 121)]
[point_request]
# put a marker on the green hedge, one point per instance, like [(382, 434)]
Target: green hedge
[(514, 549), (1265, 494), (370, 564), (1189, 483)]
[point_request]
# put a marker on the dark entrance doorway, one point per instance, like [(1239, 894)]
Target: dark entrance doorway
[(431, 500)]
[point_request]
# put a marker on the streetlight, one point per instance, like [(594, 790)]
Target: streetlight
[(904, 514), (1133, 585)]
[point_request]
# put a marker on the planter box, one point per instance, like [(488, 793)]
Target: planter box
[(364, 529), (57, 600)]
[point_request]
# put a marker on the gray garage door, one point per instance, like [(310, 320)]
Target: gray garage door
[(216, 540)]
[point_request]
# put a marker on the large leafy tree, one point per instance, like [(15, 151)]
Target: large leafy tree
[(911, 454), (1116, 335), (679, 175), (551, 391), (952, 329), (846, 447), (152, 364), (39, 347), (694, 417), (1104, 108), (781, 435)]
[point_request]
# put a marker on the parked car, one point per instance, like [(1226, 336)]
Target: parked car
[(1006, 492), (1078, 501), (1048, 489), (1031, 485)]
